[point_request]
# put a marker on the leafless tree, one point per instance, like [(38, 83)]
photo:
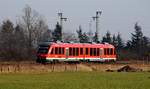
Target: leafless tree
[(40, 29), (29, 20), (34, 26)]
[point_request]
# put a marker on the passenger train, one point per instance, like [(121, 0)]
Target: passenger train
[(75, 52)]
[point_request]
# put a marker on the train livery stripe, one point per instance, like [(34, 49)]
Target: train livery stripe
[(76, 59)]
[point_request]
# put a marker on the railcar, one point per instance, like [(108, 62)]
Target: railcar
[(75, 52)]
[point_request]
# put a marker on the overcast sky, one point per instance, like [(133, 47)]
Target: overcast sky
[(117, 15)]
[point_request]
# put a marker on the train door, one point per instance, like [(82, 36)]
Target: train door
[(67, 53), (101, 53)]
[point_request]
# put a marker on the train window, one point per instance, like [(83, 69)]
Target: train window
[(98, 53), (52, 51), (63, 49), (77, 51), (56, 50), (59, 50), (111, 51), (91, 51), (81, 51), (94, 51), (105, 51), (108, 53), (70, 51), (86, 51), (74, 51)]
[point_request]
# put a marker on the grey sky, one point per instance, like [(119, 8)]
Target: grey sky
[(117, 15)]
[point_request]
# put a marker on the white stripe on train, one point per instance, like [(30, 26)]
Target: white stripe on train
[(77, 59)]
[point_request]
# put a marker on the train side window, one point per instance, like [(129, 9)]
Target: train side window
[(108, 53), (94, 51), (56, 50), (111, 51), (74, 51), (59, 50), (86, 51), (91, 51), (105, 51), (70, 51), (81, 51), (52, 51), (98, 52), (77, 51), (63, 49)]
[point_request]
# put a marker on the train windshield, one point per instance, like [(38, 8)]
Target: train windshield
[(43, 49)]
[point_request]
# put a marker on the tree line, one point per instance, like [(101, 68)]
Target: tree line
[(20, 41), (136, 48)]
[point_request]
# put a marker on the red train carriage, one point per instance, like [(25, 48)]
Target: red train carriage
[(50, 51)]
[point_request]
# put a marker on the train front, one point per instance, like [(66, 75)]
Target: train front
[(42, 52)]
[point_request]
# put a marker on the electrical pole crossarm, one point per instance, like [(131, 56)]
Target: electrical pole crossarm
[(61, 22), (96, 18)]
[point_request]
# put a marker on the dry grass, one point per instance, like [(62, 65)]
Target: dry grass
[(27, 67)]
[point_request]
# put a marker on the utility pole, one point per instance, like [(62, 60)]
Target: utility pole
[(96, 18), (61, 23), (90, 31)]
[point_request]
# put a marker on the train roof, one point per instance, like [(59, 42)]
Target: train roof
[(105, 45)]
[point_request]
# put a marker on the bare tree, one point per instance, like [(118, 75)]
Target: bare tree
[(34, 26), (40, 29), (30, 19)]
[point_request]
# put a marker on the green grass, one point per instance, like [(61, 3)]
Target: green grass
[(76, 80)]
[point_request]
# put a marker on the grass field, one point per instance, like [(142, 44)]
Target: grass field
[(76, 80)]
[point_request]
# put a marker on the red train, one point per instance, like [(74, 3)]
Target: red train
[(75, 52)]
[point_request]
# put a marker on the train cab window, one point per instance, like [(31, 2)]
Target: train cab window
[(81, 51), (86, 51), (52, 51), (105, 51)]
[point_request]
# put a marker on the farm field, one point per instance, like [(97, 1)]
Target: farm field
[(76, 80)]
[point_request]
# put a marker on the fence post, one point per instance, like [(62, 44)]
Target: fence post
[(8, 69), (65, 67), (53, 67), (1, 69), (76, 67)]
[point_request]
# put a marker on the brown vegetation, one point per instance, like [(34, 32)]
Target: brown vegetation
[(31, 67)]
